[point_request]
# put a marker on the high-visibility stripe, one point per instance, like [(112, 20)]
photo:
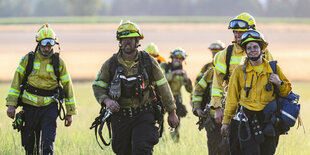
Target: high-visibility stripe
[(36, 65), (221, 67), (235, 59), (179, 77), (65, 78), (288, 115), (199, 74), (196, 98), (70, 100), (161, 81), (30, 97), (48, 33), (47, 99), (20, 69), (203, 83), (14, 92), (49, 68), (217, 92), (100, 84)]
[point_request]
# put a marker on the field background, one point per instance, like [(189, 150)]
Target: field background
[(84, 47)]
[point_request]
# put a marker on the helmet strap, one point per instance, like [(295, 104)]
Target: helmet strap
[(255, 58)]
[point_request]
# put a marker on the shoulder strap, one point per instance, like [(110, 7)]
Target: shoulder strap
[(56, 65), (273, 65), (228, 57), (29, 65), (147, 64), (112, 66)]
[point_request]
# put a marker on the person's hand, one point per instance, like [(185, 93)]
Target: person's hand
[(274, 78), (68, 120), (173, 119), (201, 113), (218, 116), (11, 111), (224, 130), (112, 105)]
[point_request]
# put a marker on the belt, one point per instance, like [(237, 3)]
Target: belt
[(39, 91), (131, 112)]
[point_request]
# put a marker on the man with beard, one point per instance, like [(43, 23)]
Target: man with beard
[(125, 86), (38, 82)]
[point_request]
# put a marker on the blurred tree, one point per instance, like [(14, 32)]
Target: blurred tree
[(13, 8), (49, 8), (302, 8), (83, 7), (279, 8)]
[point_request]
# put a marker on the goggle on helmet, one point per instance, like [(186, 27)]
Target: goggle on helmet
[(178, 53), (253, 35), (217, 46)]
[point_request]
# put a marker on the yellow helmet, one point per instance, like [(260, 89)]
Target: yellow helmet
[(253, 35), (128, 29), (217, 46), (242, 22), (45, 32), (178, 53), (152, 49)]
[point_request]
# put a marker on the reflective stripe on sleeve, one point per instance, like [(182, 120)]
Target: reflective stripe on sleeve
[(14, 92), (221, 67), (161, 81), (65, 78), (196, 98), (36, 65), (70, 100), (235, 59), (20, 69), (203, 83), (101, 84), (217, 92)]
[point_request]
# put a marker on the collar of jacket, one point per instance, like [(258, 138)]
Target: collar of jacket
[(267, 68), (122, 61), (42, 58), (238, 48)]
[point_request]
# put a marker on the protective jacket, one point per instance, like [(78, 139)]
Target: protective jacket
[(102, 83), (43, 77), (258, 96), (177, 81), (202, 71), (237, 57), (200, 89)]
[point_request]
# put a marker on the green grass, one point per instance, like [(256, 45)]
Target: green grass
[(78, 139), (141, 19)]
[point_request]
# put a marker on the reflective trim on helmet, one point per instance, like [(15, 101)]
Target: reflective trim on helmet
[(161, 81), (70, 100), (65, 78), (20, 69), (203, 83), (14, 92), (217, 92), (235, 59), (36, 65), (220, 67), (30, 97), (101, 84), (196, 98)]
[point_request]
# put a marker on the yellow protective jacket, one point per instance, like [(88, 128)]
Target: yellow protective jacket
[(202, 71), (102, 82), (177, 81), (42, 77), (200, 88), (237, 57), (258, 96)]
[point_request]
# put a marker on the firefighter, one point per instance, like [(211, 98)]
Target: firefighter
[(38, 90), (125, 86)]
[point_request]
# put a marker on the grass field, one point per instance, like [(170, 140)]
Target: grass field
[(78, 139)]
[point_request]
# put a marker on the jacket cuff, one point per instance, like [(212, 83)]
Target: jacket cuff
[(196, 105), (216, 102), (11, 104), (170, 108), (71, 109), (102, 98)]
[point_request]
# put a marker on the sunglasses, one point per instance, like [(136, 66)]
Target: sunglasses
[(252, 34), (238, 24), (45, 42)]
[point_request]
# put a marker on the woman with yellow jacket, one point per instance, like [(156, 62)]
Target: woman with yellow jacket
[(250, 90)]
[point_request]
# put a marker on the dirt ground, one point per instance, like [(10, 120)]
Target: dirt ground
[(85, 47)]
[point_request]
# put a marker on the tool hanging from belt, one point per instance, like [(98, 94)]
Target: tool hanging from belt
[(241, 117), (100, 121)]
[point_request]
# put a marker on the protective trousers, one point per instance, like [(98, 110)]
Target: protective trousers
[(40, 129), (135, 135), (217, 145), (250, 147)]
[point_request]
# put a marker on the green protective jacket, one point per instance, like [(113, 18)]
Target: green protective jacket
[(102, 82), (177, 81), (202, 71), (200, 89), (43, 77), (237, 57)]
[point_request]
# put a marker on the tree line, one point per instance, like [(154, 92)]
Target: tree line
[(42, 8)]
